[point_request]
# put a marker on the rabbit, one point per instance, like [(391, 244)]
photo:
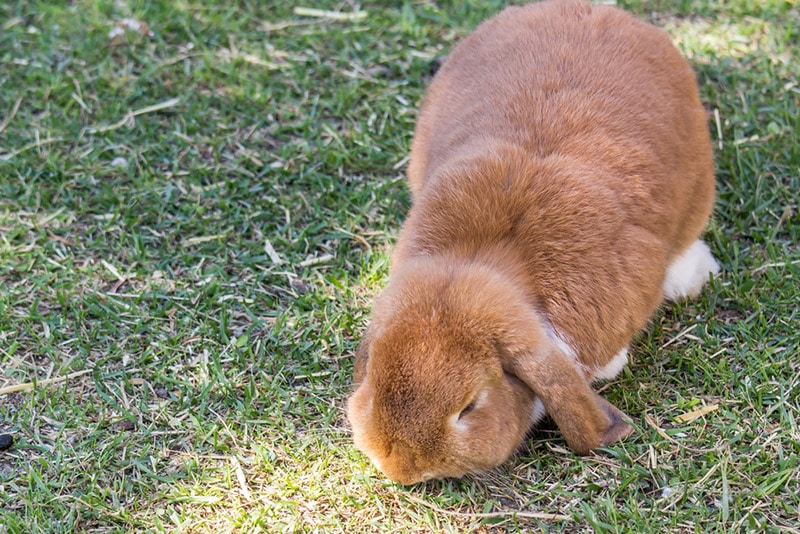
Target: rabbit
[(561, 173)]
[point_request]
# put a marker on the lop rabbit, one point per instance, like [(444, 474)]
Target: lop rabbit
[(561, 173)]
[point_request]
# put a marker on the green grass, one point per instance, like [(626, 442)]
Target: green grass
[(210, 264)]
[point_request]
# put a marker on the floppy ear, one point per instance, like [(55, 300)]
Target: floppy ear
[(585, 419)]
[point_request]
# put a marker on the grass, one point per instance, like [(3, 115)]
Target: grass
[(197, 219)]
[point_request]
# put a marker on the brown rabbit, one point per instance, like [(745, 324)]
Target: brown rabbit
[(561, 173)]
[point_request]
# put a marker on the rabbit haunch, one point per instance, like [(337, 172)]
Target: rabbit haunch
[(561, 173)]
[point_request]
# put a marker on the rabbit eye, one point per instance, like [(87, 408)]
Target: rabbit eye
[(466, 410)]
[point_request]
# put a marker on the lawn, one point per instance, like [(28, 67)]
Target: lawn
[(195, 215)]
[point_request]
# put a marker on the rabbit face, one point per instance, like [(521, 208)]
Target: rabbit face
[(435, 400), (453, 440)]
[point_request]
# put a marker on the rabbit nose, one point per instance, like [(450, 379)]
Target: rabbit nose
[(401, 464)]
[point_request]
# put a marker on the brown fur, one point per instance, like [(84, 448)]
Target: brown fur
[(561, 161)]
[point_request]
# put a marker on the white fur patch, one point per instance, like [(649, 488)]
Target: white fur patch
[(538, 410), (689, 271), (457, 424), (559, 341), (613, 367), (480, 402)]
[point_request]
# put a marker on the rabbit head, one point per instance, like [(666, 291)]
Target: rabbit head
[(454, 370)]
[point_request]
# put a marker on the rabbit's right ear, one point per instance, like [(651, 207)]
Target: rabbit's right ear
[(585, 419)]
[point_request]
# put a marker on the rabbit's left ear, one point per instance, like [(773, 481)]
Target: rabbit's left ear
[(585, 419)]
